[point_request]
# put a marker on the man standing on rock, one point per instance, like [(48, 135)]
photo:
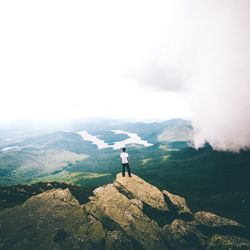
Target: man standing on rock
[(125, 162)]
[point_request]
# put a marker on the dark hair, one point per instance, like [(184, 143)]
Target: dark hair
[(124, 149)]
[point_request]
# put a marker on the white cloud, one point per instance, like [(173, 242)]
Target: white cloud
[(210, 66)]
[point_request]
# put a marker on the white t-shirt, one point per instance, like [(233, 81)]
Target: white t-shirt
[(124, 157)]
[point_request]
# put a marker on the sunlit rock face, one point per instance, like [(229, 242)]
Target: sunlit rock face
[(137, 188), (127, 214)]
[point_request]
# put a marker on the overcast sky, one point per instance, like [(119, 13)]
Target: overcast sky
[(61, 59), (130, 59)]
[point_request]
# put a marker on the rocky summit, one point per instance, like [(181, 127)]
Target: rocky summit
[(126, 214)]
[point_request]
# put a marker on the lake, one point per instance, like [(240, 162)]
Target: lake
[(101, 144)]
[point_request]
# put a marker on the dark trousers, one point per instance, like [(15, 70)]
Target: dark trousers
[(123, 169)]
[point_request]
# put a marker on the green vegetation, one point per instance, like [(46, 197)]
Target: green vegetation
[(20, 166), (77, 178)]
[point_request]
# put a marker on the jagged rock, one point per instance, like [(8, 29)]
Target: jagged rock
[(117, 240), (177, 202), (225, 242), (214, 221), (154, 205), (116, 212), (137, 188), (51, 220), (123, 215), (181, 235), (56, 196), (210, 223)]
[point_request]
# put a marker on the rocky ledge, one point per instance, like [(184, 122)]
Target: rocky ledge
[(127, 214)]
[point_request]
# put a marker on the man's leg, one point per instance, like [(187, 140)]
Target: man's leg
[(123, 170), (128, 167)]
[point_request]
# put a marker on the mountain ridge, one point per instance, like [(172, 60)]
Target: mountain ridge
[(126, 214)]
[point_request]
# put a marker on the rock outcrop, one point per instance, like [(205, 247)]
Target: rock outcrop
[(128, 214), (51, 220), (137, 188), (182, 235), (214, 221), (228, 242), (116, 212), (177, 203)]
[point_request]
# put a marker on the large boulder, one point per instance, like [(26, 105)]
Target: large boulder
[(177, 203), (135, 187), (181, 235), (51, 220), (117, 212), (225, 242), (211, 223), (214, 221)]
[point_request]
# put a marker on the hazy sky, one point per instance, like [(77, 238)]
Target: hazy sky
[(130, 59), (61, 59)]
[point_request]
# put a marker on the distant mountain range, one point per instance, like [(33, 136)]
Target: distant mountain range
[(28, 154)]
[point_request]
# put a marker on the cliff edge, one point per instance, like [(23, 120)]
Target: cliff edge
[(127, 214)]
